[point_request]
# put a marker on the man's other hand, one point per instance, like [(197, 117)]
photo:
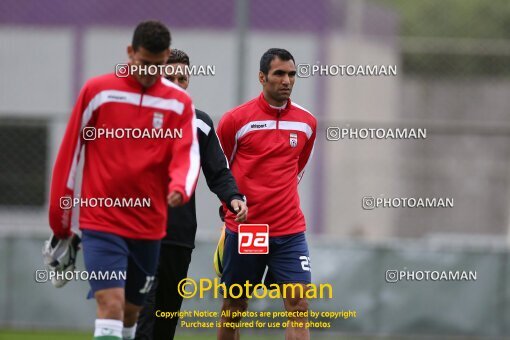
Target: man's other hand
[(174, 199), (241, 209)]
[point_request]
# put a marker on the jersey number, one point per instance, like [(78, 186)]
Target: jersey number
[(305, 263), (148, 284)]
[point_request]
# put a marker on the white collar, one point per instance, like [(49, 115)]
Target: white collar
[(279, 107)]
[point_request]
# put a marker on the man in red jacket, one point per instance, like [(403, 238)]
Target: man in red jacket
[(268, 142), (141, 154)]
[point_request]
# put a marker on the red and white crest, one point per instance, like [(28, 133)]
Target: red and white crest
[(157, 120), (293, 140)]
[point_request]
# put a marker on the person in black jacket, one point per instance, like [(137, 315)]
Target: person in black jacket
[(177, 246)]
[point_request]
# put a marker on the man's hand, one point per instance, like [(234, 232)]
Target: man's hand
[(241, 209), (174, 199)]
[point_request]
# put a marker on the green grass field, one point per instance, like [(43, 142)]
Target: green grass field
[(48, 335), (59, 335), (273, 335), (44, 335)]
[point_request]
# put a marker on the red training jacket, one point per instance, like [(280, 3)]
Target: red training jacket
[(268, 149), (126, 168)]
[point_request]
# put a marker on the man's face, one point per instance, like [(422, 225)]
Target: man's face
[(143, 57), (177, 74), (279, 80)]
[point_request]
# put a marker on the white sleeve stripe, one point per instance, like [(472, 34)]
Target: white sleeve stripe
[(194, 159), (86, 116), (72, 173), (301, 174), (226, 159), (168, 83), (233, 152), (302, 108), (203, 126)]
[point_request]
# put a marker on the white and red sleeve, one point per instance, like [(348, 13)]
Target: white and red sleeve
[(306, 153), (185, 164), (64, 171), (226, 132)]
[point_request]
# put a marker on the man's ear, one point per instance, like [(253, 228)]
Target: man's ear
[(262, 78), (130, 52)]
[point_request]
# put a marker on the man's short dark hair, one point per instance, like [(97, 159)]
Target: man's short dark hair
[(151, 35), (270, 55), (178, 57)]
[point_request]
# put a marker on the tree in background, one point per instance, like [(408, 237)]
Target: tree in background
[(455, 37)]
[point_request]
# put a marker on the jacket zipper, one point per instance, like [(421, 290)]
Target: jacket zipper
[(141, 99)]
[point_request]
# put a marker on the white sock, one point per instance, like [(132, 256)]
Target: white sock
[(128, 333), (108, 327)]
